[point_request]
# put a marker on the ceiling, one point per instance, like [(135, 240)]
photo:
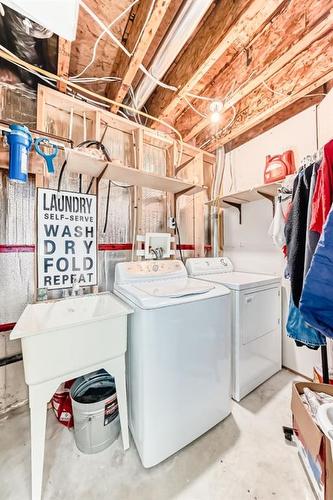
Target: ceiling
[(262, 60)]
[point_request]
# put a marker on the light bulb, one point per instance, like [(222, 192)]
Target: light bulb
[(215, 117), (216, 106)]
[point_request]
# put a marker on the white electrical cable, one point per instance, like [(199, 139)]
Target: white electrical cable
[(92, 60), (193, 108), (122, 47)]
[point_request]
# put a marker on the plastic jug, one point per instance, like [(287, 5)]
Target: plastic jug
[(279, 166)]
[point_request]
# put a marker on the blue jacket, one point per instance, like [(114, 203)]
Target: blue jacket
[(316, 303)]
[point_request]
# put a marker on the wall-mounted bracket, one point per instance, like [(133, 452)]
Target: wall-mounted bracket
[(235, 205), (269, 197)]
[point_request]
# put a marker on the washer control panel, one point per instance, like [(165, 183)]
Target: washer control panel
[(209, 265), (149, 269)]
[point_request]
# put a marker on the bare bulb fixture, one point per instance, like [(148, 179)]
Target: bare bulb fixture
[(215, 109), (215, 117)]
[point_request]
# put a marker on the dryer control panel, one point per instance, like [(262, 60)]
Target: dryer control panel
[(148, 270), (210, 265)]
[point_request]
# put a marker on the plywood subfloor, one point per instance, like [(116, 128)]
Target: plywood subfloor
[(243, 458)]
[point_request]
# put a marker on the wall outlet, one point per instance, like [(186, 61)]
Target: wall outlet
[(172, 223)]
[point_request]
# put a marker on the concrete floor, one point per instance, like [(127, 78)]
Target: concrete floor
[(243, 458)]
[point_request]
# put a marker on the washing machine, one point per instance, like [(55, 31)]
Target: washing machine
[(178, 356), (256, 320)]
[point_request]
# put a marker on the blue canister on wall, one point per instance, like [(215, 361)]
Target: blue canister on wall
[(20, 141)]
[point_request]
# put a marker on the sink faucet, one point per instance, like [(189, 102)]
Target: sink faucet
[(75, 288)]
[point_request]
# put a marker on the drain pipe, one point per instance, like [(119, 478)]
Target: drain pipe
[(216, 190), (181, 30), (11, 359)]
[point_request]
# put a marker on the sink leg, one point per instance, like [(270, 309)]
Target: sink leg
[(38, 412), (116, 368)]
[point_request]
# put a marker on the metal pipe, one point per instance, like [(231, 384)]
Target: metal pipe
[(216, 190), (11, 359)]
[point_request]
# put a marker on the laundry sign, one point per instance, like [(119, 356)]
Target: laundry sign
[(66, 239)]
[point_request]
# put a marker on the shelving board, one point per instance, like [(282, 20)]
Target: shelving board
[(81, 163), (255, 193)]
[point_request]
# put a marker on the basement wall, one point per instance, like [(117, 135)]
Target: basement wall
[(248, 245), (17, 225)]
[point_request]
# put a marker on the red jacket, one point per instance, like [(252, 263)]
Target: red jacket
[(323, 193)]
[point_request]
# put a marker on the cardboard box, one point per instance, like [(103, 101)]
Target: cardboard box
[(316, 445)]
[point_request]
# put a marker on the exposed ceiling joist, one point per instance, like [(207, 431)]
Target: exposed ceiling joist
[(64, 55), (269, 53), (293, 109), (143, 30), (230, 22), (300, 77)]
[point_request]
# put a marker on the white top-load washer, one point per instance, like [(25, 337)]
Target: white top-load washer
[(179, 355), (256, 320)]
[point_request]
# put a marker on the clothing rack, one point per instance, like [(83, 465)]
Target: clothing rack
[(307, 160)]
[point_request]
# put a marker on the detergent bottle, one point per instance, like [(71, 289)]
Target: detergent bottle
[(279, 166)]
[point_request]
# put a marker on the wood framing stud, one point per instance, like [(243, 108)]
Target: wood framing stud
[(139, 39), (64, 55)]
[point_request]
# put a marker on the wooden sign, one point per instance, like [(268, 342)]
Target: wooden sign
[(66, 239)]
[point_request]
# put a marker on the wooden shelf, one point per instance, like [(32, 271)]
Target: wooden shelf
[(256, 193), (35, 164), (81, 163)]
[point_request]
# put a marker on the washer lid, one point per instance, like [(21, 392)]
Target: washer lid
[(163, 293), (241, 281), (174, 288)]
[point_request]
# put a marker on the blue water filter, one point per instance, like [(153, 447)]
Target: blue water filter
[(20, 141)]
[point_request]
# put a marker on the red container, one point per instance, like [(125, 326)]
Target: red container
[(279, 166)]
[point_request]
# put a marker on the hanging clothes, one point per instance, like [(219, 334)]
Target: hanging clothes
[(296, 232), (317, 299), (323, 195), (276, 229), (300, 331), (312, 237)]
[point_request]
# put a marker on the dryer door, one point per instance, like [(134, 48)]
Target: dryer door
[(259, 312)]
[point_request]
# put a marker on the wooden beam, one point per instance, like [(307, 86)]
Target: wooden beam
[(64, 55), (283, 115), (268, 54), (139, 39), (231, 22), (308, 71)]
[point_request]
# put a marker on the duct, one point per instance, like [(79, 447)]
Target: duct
[(22, 37), (181, 30), (216, 190)]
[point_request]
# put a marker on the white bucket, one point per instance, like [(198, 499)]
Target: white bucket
[(95, 411)]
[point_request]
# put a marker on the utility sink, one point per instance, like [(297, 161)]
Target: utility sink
[(63, 336)]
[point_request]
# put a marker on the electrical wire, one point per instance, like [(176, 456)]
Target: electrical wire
[(73, 85), (101, 36), (122, 47), (291, 95), (179, 243), (193, 108)]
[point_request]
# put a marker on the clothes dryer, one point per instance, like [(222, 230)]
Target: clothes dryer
[(256, 320)]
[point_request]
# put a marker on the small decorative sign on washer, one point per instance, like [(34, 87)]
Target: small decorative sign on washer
[(66, 239)]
